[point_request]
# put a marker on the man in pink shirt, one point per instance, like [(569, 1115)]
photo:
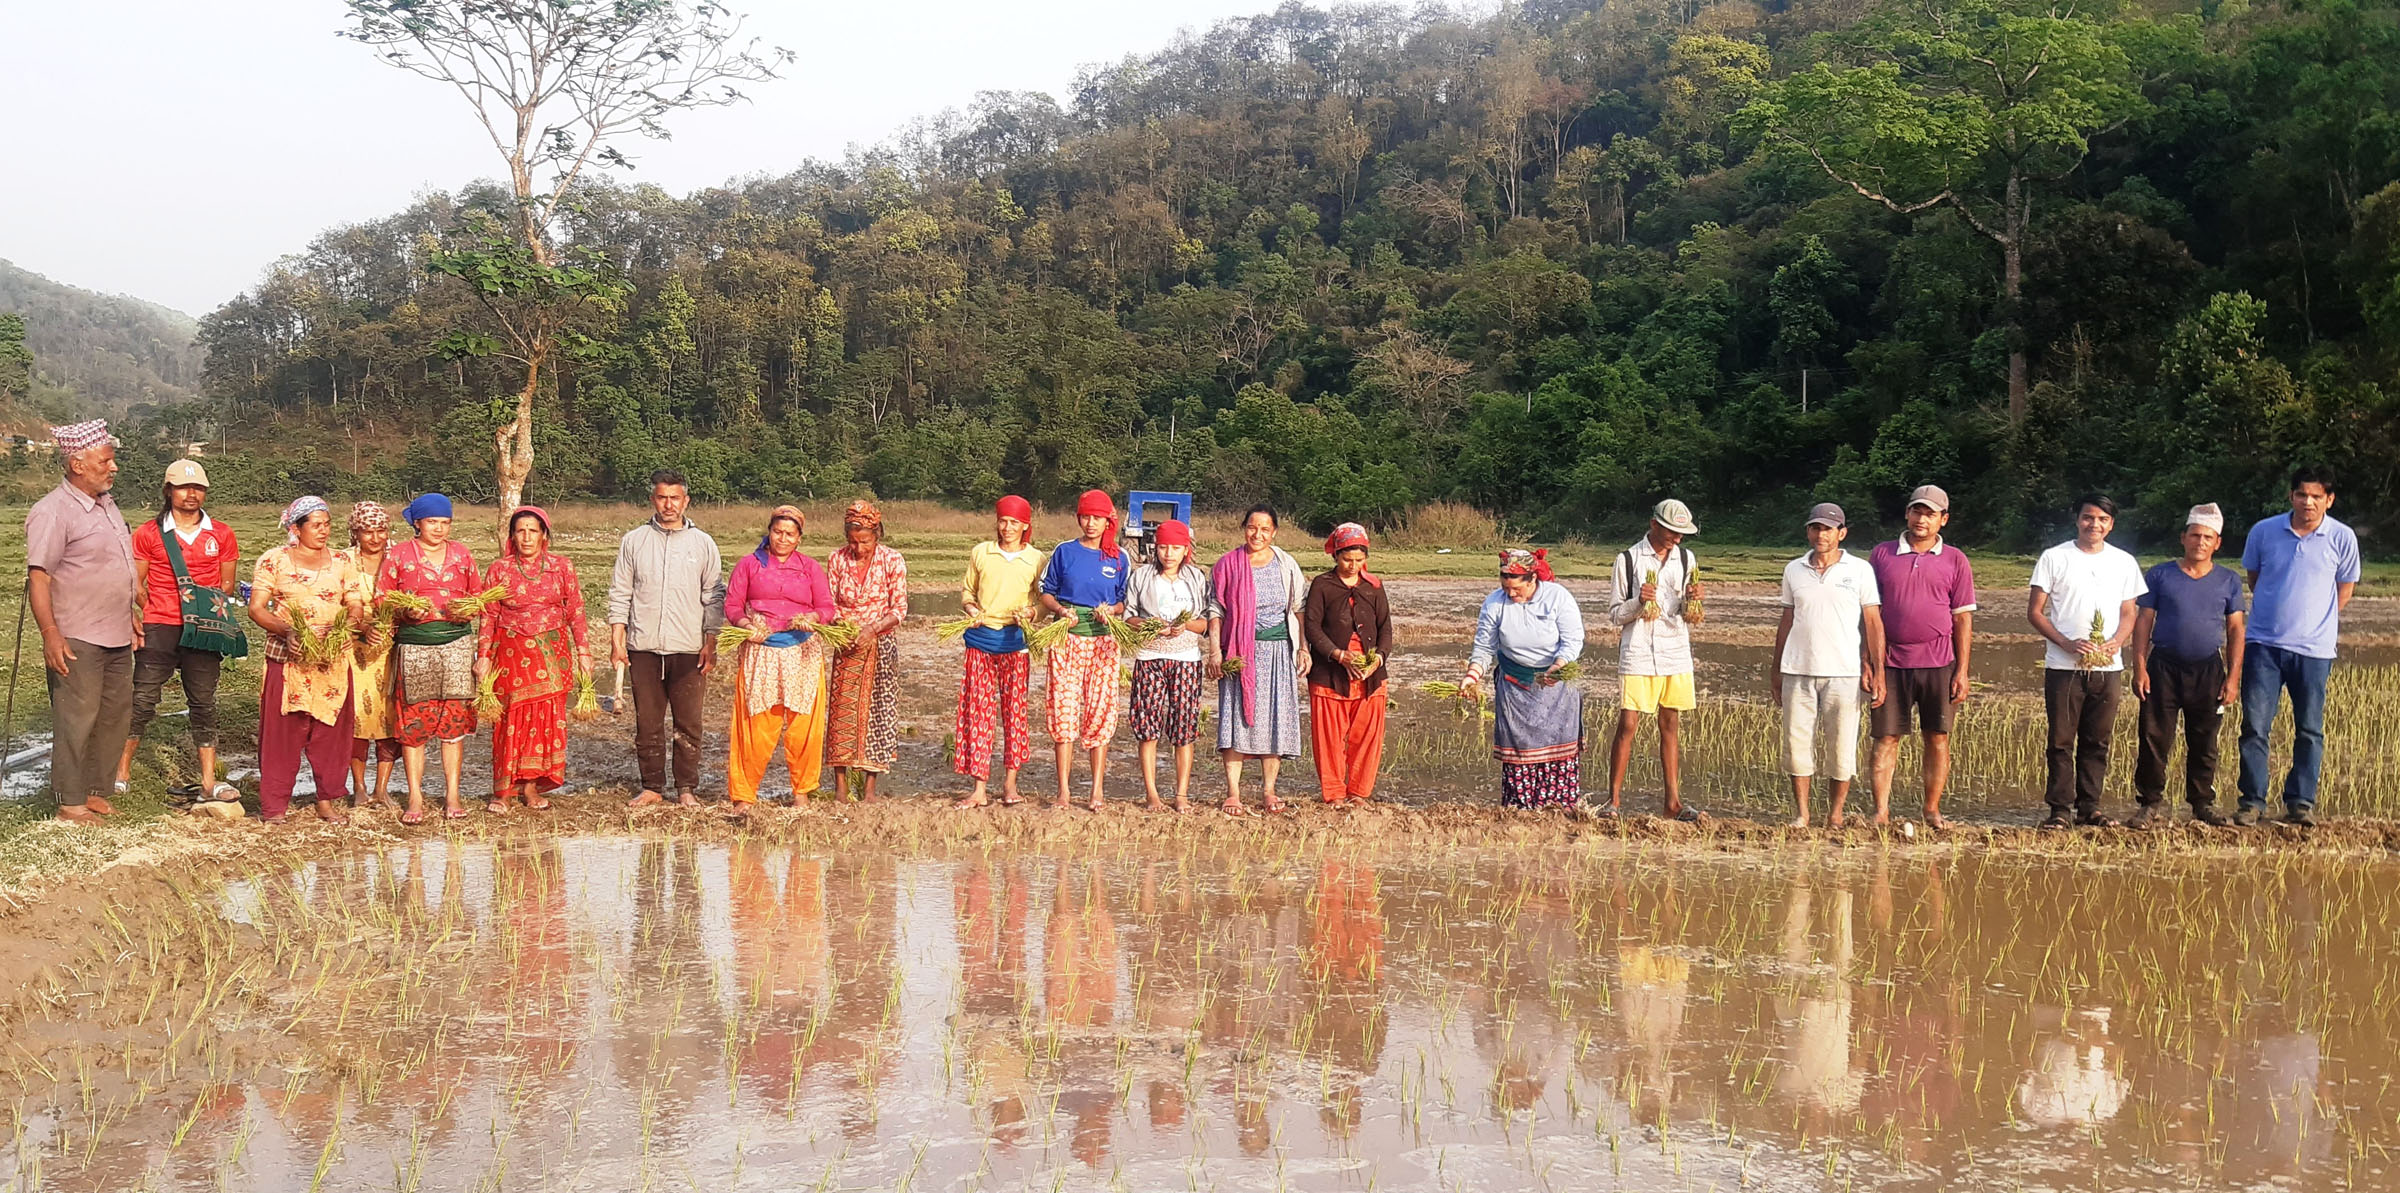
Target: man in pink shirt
[(80, 589), (1928, 591)]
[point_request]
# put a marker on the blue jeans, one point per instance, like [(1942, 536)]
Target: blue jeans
[(2267, 673)]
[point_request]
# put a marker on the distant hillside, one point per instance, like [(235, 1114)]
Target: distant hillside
[(106, 352)]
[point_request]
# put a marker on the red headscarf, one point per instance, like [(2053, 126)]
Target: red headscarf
[(1515, 561), (1173, 533), (1097, 503), (1346, 536), (1013, 506)]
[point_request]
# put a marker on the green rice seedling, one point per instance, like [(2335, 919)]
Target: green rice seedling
[(1044, 638), (1692, 607), (586, 704), (1567, 674), (1134, 633), (733, 637), (1650, 609), (949, 631), (2092, 655), (487, 699), (840, 635), (1232, 665), (472, 604)]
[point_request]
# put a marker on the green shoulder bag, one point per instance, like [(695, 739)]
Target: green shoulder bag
[(208, 622)]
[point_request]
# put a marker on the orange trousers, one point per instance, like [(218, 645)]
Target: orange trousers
[(1348, 737), (753, 746)]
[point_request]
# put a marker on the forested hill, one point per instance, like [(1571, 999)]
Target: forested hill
[(96, 353), (1557, 262)]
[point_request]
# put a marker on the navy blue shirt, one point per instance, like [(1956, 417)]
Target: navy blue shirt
[(2191, 613)]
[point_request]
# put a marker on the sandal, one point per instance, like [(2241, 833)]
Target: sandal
[(416, 817), (1688, 814), (498, 807), (1274, 806), (454, 813), (1233, 807), (1009, 801), (535, 803)]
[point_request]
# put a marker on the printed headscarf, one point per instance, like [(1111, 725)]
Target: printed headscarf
[(300, 510), (799, 522), (1095, 502), (366, 516), (1516, 561), (1346, 536), (508, 547), (861, 512), (430, 505)]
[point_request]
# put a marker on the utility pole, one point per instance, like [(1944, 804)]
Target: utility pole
[(1804, 389)]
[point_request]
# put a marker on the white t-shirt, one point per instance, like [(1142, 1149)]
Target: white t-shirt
[(1827, 615), (2081, 583)]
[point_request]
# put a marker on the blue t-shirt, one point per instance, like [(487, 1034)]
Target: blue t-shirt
[(1080, 575), (2297, 603), (2191, 613)]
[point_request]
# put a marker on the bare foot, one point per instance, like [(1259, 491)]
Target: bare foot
[(1097, 805), (1881, 819), (977, 800), (1061, 804), (739, 810), (77, 814), (687, 799), (1934, 820), (99, 805), (1183, 807), (331, 812), (646, 799), (1154, 804), (1800, 821)]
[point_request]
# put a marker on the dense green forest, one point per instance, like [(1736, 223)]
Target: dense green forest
[(1556, 262), (91, 352)]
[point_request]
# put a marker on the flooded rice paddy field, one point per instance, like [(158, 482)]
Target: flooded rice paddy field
[(620, 1012)]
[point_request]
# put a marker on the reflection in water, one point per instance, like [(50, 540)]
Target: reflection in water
[(616, 1013)]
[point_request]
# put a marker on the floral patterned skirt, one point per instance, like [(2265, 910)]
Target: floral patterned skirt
[(863, 722)]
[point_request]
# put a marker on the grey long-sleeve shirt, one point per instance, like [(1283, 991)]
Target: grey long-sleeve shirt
[(668, 589)]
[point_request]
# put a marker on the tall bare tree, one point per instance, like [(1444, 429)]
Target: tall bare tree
[(558, 86)]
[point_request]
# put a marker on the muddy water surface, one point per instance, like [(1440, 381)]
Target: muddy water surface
[(616, 1013)]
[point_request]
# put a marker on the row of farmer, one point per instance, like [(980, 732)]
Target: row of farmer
[(377, 648)]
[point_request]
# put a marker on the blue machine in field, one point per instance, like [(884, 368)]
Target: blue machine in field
[(1144, 511)]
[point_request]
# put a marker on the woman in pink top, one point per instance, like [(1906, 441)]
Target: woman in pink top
[(779, 679)]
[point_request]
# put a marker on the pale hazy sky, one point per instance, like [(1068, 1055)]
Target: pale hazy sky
[(172, 149)]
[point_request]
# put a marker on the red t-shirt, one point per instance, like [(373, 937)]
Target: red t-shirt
[(204, 557)]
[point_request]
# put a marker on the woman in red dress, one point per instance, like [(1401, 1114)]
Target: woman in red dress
[(532, 645)]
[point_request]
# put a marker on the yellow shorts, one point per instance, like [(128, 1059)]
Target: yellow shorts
[(1649, 693)]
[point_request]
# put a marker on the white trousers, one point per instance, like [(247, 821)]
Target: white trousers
[(1820, 704)]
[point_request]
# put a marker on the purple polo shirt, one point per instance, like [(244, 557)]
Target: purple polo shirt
[(82, 542), (1921, 590)]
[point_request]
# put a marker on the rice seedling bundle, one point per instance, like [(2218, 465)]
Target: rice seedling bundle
[(320, 648), (950, 630), (1134, 633), (1692, 610), (2092, 655), (586, 705), (1044, 638), (487, 699), (1441, 689), (1368, 661), (733, 636), (840, 635), (1232, 665), (1567, 674), (472, 604), (1650, 607)]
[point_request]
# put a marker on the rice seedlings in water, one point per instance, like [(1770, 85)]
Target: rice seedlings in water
[(1045, 637), (487, 699), (472, 604), (586, 704), (733, 636), (951, 630), (840, 635), (1650, 608)]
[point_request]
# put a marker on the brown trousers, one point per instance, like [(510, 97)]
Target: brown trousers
[(666, 685)]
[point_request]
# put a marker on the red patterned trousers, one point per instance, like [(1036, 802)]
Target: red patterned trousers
[(992, 705)]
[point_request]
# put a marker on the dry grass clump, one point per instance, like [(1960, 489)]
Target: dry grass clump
[(1452, 524)]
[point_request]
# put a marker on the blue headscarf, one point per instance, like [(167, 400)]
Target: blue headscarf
[(431, 505)]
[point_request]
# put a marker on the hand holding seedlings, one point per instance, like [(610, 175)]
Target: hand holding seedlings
[(1650, 608)]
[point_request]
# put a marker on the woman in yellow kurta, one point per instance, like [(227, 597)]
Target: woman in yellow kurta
[(304, 705), (371, 669)]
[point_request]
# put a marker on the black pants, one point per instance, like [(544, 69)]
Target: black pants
[(2083, 708), (2179, 687), (664, 685), (162, 654)]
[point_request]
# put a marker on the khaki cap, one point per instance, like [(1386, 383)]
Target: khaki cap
[(187, 472), (1931, 497)]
